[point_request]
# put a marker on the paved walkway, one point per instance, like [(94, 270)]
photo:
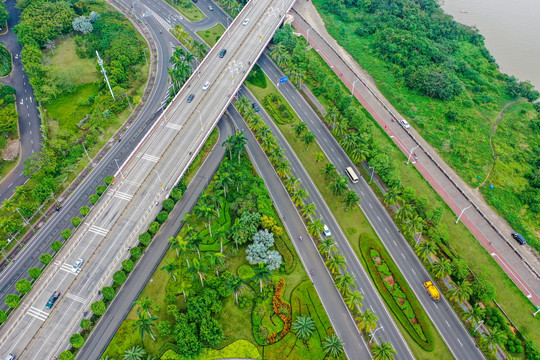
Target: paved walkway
[(490, 230)]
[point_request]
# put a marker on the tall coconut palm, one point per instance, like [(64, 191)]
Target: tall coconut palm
[(243, 104), (415, 225), (283, 169), (145, 325), (200, 50), (308, 138), (339, 186), (308, 210), (134, 353), (344, 282), (303, 327), (327, 246), (384, 351), (342, 127), (275, 155), (198, 269), (353, 300), (183, 248), (195, 241), (367, 321), (336, 262), (331, 115), (229, 145), (171, 268), (256, 123), (217, 200), (215, 260), (239, 147), (405, 213), (492, 339), (268, 143), (442, 268), (461, 292), (235, 284), (350, 199), (359, 153), (224, 180), (145, 304), (262, 274), (291, 182), (475, 314), (393, 197), (314, 227), (299, 195), (278, 51), (221, 234), (348, 143), (329, 171), (333, 345), (425, 249), (184, 287), (299, 128)]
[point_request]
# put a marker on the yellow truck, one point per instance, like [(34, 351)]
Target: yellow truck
[(432, 291)]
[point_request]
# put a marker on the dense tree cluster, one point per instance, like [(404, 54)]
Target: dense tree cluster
[(8, 114), (259, 251)]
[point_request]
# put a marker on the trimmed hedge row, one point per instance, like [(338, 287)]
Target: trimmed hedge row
[(277, 110), (410, 308)]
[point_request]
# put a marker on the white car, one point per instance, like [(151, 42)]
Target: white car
[(245, 22), (405, 124), (327, 231), (77, 265), (206, 86)]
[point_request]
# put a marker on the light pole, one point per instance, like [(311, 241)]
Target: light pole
[(200, 119), (308, 35), (116, 161), (417, 239), (26, 221), (372, 172), (410, 154), (536, 312), (479, 324), (88, 156), (373, 334), (159, 178), (352, 91), (462, 211)]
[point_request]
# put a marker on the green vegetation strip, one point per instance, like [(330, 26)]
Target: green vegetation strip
[(5, 61), (212, 35), (188, 9)]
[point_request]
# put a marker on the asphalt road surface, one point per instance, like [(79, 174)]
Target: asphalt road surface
[(442, 315), (141, 183), (29, 121)]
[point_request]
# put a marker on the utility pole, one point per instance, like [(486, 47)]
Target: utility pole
[(26, 221), (462, 211), (104, 72)]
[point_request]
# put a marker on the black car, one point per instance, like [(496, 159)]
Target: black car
[(519, 238), (190, 98), (255, 107), (52, 299), (222, 53)]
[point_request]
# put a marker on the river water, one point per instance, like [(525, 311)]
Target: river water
[(511, 29)]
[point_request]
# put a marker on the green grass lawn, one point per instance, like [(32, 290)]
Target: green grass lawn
[(212, 35), (188, 9), (79, 70), (69, 109), (352, 222), (5, 61), (7, 166)]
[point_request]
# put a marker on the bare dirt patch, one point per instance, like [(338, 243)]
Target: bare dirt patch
[(12, 150), (389, 280)]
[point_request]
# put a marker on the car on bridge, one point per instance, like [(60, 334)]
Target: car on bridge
[(190, 98), (206, 86), (245, 22), (52, 299)]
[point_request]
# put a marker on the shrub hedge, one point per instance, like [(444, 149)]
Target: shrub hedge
[(411, 308)]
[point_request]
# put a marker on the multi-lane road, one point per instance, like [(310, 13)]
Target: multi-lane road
[(143, 181)]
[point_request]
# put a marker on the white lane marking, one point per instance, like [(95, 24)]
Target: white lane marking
[(459, 342), (76, 298), (68, 268), (38, 314), (447, 323), (379, 218), (151, 158), (97, 230), (173, 126), (394, 242), (413, 271), (123, 196), (370, 205), (403, 255)]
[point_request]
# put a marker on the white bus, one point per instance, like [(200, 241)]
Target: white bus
[(352, 175)]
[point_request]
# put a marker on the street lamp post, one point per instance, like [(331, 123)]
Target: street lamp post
[(352, 91), (26, 221), (159, 178), (308, 35), (479, 324), (372, 172), (119, 169), (373, 334), (88, 156), (462, 211), (417, 239), (410, 154)]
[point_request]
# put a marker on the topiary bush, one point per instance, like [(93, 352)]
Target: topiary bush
[(34, 272), (23, 286), (128, 265), (145, 238), (153, 228), (3, 316), (176, 194), (245, 272), (108, 293), (93, 199), (86, 324), (101, 189), (66, 355), (76, 340), (135, 252), (168, 205), (66, 233), (108, 180), (56, 246), (45, 259), (98, 308), (76, 221), (12, 301), (162, 217), (119, 277)]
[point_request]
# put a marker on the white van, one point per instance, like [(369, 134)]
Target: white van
[(327, 231)]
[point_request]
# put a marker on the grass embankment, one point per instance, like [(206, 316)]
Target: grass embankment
[(188, 9), (352, 222), (5, 61), (509, 296), (247, 327), (460, 128), (212, 35)]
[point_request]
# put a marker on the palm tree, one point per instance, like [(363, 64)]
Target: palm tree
[(348, 143), (283, 169), (359, 153), (221, 234), (262, 274), (171, 268), (350, 199), (475, 315), (327, 246), (405, 213), (198, 269), (336, 262), (353, 300), (299, 128), (200, 50), (278, 51), (106, 357), (223, 181), (442, 268), (461, 292), (243, 104), (299, 195), (314, 227), (339, 185), (229, 144), (275, 155), (329, 171), (268, 142), (235, 231), (239, 145), (235, 285), (304, 327), (183, 248), (492, 339), (342, 127), (308, 210), (215, 260), (145, 304), (425, 249), (367, 320), (308, 138), (256, 123), (385, 351), (393, 197), (194, 242), (217, 199), (184, 287), (175, 244), (344, 282), (333, 345), (134, 353), (144, 325), (415, 225)]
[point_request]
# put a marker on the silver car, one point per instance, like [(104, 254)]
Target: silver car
[(77, 266)]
